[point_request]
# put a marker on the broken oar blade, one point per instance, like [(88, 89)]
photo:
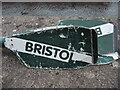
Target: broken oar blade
[(55, 47), (106, 33), (72, 44), (107, 37)]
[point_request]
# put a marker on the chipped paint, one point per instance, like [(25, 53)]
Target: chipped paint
[(63, 36), (82, 34), (114, 55), (69, 46), (83, 43)]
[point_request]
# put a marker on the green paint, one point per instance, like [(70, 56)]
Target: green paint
[(2, 40), (104, 60), (41, 62), (106, 44), (80, 22)]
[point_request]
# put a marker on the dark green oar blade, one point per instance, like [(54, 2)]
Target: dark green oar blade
[(55, 47), (106, 34)]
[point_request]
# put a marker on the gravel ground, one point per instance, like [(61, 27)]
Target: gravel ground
[(91, 9), (16, 75)]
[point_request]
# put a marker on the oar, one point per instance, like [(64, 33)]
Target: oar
[(64, 46)]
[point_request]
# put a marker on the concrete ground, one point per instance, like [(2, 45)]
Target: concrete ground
[(16, 75), (18, 17)]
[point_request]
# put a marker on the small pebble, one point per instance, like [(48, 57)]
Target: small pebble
[(14, 24), (89, 75), (115, 64), (57, 73), (36, 24), (24, 13), (14, 30)]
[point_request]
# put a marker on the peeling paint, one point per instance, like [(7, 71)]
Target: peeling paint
[(82, 34), (81, 49), (63, 36), (83, 43), (69, 46)]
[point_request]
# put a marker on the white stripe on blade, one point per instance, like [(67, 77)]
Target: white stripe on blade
[(105, 29), (64, 55)]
